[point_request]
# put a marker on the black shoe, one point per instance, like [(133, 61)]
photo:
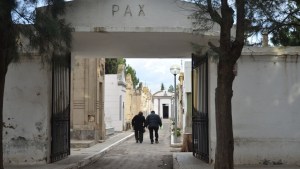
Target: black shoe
[(151, 142), (141, 141), (156, 141), (137, 141)]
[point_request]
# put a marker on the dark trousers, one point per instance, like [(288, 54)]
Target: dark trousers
[(155, 129), (138, 133)]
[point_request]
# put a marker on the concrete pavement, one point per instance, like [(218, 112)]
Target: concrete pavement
[(186, 160), (81, 156)]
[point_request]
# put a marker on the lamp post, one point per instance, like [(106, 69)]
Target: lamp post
[(175, 69)]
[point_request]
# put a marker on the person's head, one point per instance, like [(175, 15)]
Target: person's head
[(140, 113), (152, 112)]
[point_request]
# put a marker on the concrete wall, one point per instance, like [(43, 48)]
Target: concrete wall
[(265, 107), (114, 103), (165, 25), (26, 113), (127, 15)]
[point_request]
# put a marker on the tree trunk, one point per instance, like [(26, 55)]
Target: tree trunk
[(187, 144), (8, 50), (2, 82), (3, 70), (225, 142)]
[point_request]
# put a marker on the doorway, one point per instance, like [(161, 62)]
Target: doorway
[(165, 111)]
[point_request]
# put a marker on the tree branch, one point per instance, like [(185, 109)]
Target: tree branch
[(240, 25), (29, 21), (213, 13), (281, 23)]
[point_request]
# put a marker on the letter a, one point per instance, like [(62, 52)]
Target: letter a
[(127, 11)]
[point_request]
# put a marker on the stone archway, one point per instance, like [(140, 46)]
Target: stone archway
[(122, 28)]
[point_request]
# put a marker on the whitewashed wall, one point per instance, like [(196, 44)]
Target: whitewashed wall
[(187, 88), (155, 105), (161, 102), (160, 98), (265, 107), (114, 111), (127, 15), (165, 25), (26, 114)]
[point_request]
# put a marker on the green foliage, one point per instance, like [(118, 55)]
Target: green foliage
[(162, 86), (171, 88), (47, 33), (111, 65), (178, 132), (278, 18), (287, 36), (132, 72), (8, 34), (248, 18), (41, 33)]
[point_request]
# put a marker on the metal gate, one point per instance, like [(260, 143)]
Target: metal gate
[(60, 121), (200, 107)]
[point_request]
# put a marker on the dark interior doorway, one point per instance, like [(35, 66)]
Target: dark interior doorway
[(165, 111)]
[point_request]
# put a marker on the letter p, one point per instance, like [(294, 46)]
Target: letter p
[(115, 8)]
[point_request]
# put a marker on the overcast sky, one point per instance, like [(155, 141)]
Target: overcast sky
[(153, 72)]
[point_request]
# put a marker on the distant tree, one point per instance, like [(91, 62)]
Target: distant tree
[(134, 78), (287, 33), (139, 85), (162, 87), (45, 31), (111, 65), (171, 88)]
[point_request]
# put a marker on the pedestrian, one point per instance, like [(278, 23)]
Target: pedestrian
[(153, 122), (138, 124)]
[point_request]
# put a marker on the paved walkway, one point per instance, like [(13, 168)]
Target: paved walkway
[(188, 161), (82, 156)]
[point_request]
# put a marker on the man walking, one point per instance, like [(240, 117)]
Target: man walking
[(138, 124), (153, 122)]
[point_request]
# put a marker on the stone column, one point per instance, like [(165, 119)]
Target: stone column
[(180, 100), (87, 97), (128, 101)]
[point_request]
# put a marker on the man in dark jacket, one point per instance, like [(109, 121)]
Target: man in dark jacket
[(153, 122), (138, 124)]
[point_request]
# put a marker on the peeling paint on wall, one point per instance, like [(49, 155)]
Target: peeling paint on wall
[(26, 109)]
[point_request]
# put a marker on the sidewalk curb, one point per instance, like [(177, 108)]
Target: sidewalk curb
[(92, 158), (175, 162)]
